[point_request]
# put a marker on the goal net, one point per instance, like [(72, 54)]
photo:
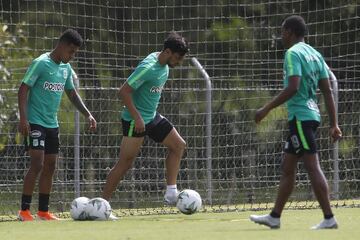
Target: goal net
[(238, 44)]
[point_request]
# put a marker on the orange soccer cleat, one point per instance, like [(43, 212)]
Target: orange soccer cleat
[(47, 216), (25, 215)]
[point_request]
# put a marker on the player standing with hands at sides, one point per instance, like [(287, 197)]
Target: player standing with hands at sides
[(304, 71), (39, 98), (141, 94)]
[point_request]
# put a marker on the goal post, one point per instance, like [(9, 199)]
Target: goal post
[(233, 163)]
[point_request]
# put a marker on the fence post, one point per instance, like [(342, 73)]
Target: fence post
[(76, 144), (208, 125), (335, 151)]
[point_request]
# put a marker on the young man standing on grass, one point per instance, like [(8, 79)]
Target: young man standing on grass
[(39, 98), (141, 95), (304, 71)]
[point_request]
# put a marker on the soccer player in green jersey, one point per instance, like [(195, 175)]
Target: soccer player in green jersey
[(304, 71), (141, 94), (39, 98)]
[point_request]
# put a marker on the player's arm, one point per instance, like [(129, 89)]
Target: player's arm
[(284, 96), (31, 76), (24, 127), (325, 88), (76, 100), (125, 93)]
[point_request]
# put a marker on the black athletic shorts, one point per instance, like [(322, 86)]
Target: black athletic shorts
[(302, 137), (42, 138), (157, 129)]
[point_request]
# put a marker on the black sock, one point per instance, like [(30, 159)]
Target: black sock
[(44, 202), (25, 202), (328, 216), (275, 215)]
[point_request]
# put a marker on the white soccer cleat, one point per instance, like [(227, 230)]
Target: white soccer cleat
[(266, 220), (326, 224), (112, 217), (170, 198)]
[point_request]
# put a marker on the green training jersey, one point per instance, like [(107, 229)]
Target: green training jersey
[(147, 82), (47, 81), (304, 61)]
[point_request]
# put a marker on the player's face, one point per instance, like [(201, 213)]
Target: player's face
[(174, 59), (68, 52), (286, 37)]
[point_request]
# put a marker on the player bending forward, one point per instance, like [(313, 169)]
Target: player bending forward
[(141, 94), (304, 71)]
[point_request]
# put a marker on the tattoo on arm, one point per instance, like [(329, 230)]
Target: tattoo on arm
[(77, 102)]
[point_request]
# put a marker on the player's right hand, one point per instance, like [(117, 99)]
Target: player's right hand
[(335, 133), (24, 127), (139, 125)]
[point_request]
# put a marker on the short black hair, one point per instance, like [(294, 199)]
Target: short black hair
[(71, 36), (296, 24), (176, 43)]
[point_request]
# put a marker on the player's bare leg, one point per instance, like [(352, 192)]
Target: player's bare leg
[(36, 164), (47, 173), (176, 146), (129, 149), (287, 182), (45, 185), (321, 190)]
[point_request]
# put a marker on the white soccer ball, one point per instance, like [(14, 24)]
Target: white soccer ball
[(188, 202), (98, 209), (77, 210)]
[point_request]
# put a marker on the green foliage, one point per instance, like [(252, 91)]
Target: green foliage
[(347, 147), (235, 31), (13, 46)]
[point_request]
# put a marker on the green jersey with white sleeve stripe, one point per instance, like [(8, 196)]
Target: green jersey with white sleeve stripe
[(304, 61), (47, 81), (147, 82)]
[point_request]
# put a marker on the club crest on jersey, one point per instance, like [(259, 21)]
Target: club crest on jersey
[(65, 73)]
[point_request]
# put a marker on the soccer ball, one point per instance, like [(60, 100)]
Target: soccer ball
[(188, 202), (77, 210), (98, 209)]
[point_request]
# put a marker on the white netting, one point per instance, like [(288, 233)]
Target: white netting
[(238, 44)]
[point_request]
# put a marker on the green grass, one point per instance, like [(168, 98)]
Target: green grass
[(231, 225)]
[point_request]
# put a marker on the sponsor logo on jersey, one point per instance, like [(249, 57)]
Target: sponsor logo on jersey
[(156, 89), (313, 106), (35, 133), (312, 58), (54, 87)]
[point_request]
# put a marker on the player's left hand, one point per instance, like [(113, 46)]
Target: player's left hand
[(92, 123), (335, 133), (261, 114)]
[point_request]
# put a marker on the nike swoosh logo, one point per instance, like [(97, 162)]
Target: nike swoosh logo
[(51, 73)]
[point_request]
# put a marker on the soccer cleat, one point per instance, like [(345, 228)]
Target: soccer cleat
[(25, 215), (170, 198), (47, 216), (112, 217), (266, 220), (326, 224)]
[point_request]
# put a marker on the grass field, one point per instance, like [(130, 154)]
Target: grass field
[(232, 225)]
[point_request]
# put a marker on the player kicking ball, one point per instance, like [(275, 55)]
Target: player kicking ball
[(39, 99), (304, 71), (141, 94)]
